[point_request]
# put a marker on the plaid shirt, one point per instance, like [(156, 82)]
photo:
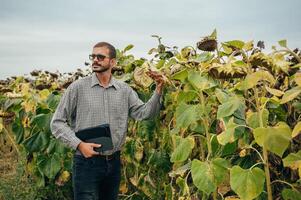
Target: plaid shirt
[(86, 103)]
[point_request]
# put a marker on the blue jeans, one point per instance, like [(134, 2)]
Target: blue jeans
[(96, 178)]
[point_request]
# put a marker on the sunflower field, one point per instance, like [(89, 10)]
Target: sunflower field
[(229, 126)]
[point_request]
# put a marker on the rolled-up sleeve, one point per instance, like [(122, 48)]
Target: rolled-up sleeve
[(65, 111), (140, 110)]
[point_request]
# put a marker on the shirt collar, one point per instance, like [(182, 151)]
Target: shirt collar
[(95, 81)]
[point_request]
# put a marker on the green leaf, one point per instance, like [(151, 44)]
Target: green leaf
[(160, 159), (280, 63), (152, 50), (221, 95), (229, 107), (50, 166), (18, 130), (202, 176), (146, 129), (260, 135), (127, 48), (239, 63), (229, 149), (53, 100), (51, 146), (184, 189), (297, 76), (289, 194), (183, 148), (138, 151), (44, 94), (252, 79), (186, 96), (240, 114), (180, 171), (187, 114), (297, 130), (200, 82), (248, 46), (56, 146), (203, 57), (290, 94), (274, 92), (169, 192), (227, 49), (247, 183), (40, 178), (253, 118), (282, 43), (213, 34), (11, 103), (227, 136), (293, 160), (275, 139), (129, 150), (181, 75), (207, 176), (220, 168), (297, 106), (42, 121), (36, 142), (236, 43), (160, 64)]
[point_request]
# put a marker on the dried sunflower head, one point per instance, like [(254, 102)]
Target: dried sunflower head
[(35, 73), (227, 71), (224, 75), (207, 44), (260, 59)]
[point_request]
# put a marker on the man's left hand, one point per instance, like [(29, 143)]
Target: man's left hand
[(158, 78)]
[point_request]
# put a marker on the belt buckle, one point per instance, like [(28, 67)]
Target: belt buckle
[(109, 157)]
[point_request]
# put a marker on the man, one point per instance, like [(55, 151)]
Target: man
[(92, 101)]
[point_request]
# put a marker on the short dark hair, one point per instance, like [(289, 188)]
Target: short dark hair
[(112, 50)]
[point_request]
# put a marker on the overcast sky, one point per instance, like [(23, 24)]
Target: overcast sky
[(59, 34)]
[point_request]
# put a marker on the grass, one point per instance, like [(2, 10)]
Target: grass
[(13, 182), (16, 183)]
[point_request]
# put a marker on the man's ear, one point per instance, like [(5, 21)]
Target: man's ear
[(113, 62)]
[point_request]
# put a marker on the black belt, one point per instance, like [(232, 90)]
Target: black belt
[(110, 157)]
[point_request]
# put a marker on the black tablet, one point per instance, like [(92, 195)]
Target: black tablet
[(99, 134)]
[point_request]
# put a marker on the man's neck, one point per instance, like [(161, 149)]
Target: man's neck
[(104, 78)]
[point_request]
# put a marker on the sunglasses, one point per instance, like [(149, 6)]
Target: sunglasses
[(98, 56)]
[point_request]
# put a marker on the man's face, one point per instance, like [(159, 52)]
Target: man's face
[(101, 60)]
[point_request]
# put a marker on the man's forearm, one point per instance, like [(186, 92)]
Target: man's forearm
[(140, 110), (63, 132)]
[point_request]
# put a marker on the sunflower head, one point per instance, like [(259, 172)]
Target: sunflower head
[(207, 44)]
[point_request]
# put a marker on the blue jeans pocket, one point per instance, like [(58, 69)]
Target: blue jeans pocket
[(80, 160), (95, 178)]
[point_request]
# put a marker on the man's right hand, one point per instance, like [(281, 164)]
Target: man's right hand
[(87, 149)]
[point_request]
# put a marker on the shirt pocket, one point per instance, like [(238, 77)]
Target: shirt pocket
[(119, 106), (119, 112)]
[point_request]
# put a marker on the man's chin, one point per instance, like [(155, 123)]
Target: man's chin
[(99, 70)]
